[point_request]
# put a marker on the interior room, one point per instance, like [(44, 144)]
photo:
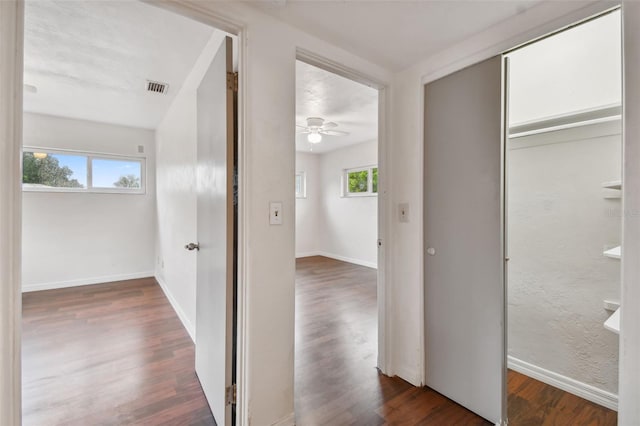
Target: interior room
[(129, 256), (336, 242), (109, 202), (564, 165)]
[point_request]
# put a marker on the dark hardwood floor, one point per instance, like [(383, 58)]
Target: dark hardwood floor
[(108, 354), (117, 354), (337, 382), (532, 402)]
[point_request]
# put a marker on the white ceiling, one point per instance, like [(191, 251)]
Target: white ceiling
[(353, 106), (91, 59), (393, 33)]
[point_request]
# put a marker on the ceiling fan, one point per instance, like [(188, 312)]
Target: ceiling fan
[(316, 127)]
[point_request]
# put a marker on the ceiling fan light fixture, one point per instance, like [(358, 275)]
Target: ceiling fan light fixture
[(314, 137)]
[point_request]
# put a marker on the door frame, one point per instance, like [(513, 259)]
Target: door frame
[(384, 215), (11, 81)]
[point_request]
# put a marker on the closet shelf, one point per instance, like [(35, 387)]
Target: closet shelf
[(614, 253), (614, 184), (613, 323)]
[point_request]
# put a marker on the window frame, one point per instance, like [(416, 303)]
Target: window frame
[(345, 181), (303, 193), (90, 156)]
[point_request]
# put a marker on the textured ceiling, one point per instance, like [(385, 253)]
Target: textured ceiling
[(393, 33), (91, 59), (353, 106)]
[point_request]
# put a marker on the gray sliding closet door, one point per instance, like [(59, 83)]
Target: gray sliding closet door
[(463, 223)]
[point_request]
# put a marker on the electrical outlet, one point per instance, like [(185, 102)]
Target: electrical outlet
[(275, 213), (403, 212)]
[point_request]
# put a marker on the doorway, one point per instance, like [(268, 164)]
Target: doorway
[(106, 126), (337, 188), (564, 223)]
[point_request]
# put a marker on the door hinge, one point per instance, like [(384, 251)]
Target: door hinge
[(232, 81), (231, 394)]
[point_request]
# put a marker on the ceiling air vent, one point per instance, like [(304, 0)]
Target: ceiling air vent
[(157, 87)]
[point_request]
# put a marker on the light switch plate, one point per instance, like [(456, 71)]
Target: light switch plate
[(403, 212), (275, 213)]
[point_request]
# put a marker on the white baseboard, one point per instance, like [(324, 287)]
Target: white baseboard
[(288, 420), (409, 375), (368, 264), (176, 307), (307, 254), (583, 390), (85, 281)]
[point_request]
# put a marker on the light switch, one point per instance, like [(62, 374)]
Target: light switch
[(403, 212), (275, 213)]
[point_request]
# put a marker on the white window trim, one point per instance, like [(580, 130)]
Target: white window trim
[(303, 193), (89, 186), (345, 182)]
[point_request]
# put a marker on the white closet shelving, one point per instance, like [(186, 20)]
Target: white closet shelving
[(614, 253), (613, 322), (614, 184)]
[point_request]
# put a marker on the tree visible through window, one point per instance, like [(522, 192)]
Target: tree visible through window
[(111, 173), (128, 181), (361, 181), (56, 171), (40, 169), (375, 180)]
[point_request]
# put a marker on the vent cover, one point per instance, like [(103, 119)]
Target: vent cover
[(157, 87)]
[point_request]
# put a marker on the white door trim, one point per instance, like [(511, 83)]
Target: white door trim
[(629, 371), (11, 60), (384, 224)]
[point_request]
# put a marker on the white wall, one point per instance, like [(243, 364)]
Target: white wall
[(559, 224), (268, 159), (87, 238), (176, 157), (308, 209), (267, 296), (350, 224), (329, 224)]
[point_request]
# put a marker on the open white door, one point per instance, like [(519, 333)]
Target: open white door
[(215, 273), (464, 282)]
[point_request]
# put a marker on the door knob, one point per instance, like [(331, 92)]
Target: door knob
[(431, 251), (192, 246)]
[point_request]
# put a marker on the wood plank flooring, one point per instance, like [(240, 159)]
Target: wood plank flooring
[(532, 402), (108, 354), (117, 354), (337, 382)]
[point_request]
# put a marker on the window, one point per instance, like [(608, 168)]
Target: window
[(301, 185), (116, 174), (61, 171), (361, 181)]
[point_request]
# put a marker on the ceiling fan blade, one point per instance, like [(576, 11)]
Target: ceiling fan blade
[(304, 131), (334, 132), (329, 125)]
